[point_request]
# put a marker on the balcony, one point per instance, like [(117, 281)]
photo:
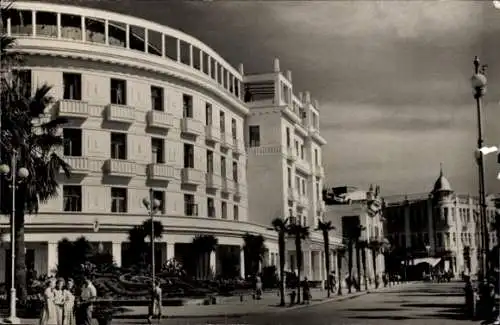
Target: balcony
[(161, 172), (72, 109), (303, 201), (121, 168), (303, 166), (225, 140), (212, 134), (238, 147), (79, 165), (292, 195), (160, 120), (120, 113), (214, 181), (191, 176), (227, 185), (319, 171), (192, 126), (290, 154), (238, 190)]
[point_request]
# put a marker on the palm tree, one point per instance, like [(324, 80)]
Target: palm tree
[(363, 244), (299, 233), (138, 252), (325, 228), (255, 250), (340, 256), (350, 245), (34, 144), (375, 246), (203, 246), (280, 226)]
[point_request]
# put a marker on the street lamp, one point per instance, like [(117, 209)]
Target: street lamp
[(153, 206), (428, 249), (23, 174), (478, 83)]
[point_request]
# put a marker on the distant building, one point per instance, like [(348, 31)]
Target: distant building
[(441, 224)]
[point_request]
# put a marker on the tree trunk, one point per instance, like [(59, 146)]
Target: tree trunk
[(349, 265), (281, 247), (327, 264), (339, 264), (363, 257), (374, 257), (358, 267), (20, 262)]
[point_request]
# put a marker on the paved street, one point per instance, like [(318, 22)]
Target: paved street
[(429, 304)]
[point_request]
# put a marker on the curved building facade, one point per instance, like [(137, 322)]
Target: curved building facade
[(148, 107)]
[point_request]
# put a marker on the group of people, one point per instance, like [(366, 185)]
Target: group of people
[(61, 306)]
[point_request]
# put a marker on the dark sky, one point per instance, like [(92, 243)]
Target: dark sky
[(392, 77)]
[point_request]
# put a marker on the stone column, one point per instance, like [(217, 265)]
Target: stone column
[(170, 251), (52, 257), (308, 271), (242, 262), (213, 263), (116, 251)]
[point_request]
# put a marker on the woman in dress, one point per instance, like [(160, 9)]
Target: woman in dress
[(156, 303), (69, 304), (59, 300), (48, 316)]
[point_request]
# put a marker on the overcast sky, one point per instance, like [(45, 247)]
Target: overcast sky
[(392, 78)]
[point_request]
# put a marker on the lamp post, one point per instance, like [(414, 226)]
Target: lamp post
[(428, 249), (153, 206), (22, 173), (478, 83)]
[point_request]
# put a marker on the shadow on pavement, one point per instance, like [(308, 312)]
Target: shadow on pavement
[(434, 295), (375, 309), (450, 314), (445, 306)]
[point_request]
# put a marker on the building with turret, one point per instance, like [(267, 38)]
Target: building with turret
[(440, 227)]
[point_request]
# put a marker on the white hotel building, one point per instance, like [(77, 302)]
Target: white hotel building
[(152, 107)]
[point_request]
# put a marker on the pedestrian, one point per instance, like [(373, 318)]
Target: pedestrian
[(69, 304), (258, 288), (59, 300), (48, 315), (306, 292), (87, 298), (155, 307)]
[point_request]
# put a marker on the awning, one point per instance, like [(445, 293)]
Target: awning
[(433, 261)]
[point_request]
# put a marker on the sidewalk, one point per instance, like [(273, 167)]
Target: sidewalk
[(233, 307)]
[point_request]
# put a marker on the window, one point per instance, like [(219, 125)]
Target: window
[(224, 210), (22, 78), (297, 183), (157, 152), (236, 213), (187, 106), (234, 131), (316, 158), (317, 191), (302, 151), (288, 140), (222, 122), (304, 187), (160, 196), (72, 142), (254, 135), (235, 171), (72, 198), (188, 155), (297, 147), (223, 166), (118, 92), (208, 114), (118, 199), (289, 177), (210, 161), (211, 207), (118, 146), (72, 86), (190, 208), (157, 98)]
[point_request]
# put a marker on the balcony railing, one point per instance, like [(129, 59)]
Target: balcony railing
[(238, 147), (120, 113), (303, 166), (319, 171), (162, 172), (227, 185), (211, 133), (291, 195), (192, 126), (79, 165), (118, 167), (160, 120), (72, 108), (238, 190), (225, 140), (191, 176), (290, 154)]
